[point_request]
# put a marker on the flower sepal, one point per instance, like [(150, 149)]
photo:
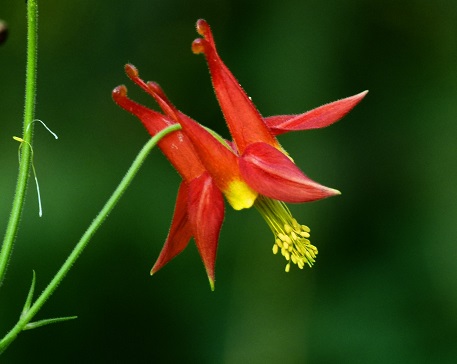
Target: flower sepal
[(317, 118), (272, 174)]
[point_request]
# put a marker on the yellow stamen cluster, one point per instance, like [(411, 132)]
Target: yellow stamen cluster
[(295, 246), (291, 238)]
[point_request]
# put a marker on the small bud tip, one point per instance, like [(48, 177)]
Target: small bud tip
[(131, 71), (119, 91), (155, 87), (198, 46), (202, 27)]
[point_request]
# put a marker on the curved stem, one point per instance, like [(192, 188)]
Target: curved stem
[(24, 164), (49, 290)]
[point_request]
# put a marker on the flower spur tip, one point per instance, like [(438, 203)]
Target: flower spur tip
[(203, 27), (165, 104), (155, 87), (131, 71), (198, 46), (204, 30), (119, 91)]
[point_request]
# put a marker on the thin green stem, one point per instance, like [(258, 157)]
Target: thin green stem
[(49, 290), (29, 110)]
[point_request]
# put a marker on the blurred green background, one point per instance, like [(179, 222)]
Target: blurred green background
[(384, 288)]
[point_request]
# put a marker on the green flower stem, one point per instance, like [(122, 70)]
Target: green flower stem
[(24, 165), (27, 316)]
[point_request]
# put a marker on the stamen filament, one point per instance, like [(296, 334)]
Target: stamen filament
[(291, 238)]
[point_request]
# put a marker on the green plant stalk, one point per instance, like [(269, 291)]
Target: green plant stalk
[(24, 164), (49, 290)]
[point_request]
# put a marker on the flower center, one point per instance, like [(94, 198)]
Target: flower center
[(291, 238)]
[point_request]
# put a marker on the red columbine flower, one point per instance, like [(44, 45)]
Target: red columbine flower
[(199, 209), (254, 170), (257, 171)]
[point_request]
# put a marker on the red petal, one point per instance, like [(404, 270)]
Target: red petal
[(206, 214), (205, 31), (274, 175), (243, 119), (176, 146), (218, 160), (152, 120), (320, 117), (180, 231)]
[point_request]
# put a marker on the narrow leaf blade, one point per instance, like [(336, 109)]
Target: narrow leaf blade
[(34, 325), (28, 301)]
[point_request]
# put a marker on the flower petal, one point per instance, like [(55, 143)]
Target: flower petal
[(319, 117), (175, 146), (274, 175), (180, 231), (221, 163), (243, 119), (206, 214), (152, 120), (218, 156)]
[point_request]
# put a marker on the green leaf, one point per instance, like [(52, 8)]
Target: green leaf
[(28, 301), (34, 325)]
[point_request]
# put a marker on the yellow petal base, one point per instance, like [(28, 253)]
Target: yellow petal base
[(239, 195)]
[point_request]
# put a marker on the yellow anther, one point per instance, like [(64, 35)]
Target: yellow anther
[(275, 249), (301, 249), (287, 228), (279, 242), (291, 238), (284, 238), (305, 228), (293, 235)]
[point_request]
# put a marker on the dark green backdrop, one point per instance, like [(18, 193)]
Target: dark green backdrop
[(384, 288)]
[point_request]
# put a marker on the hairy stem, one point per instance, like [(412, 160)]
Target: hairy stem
[(49, 290), (24, 164)]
